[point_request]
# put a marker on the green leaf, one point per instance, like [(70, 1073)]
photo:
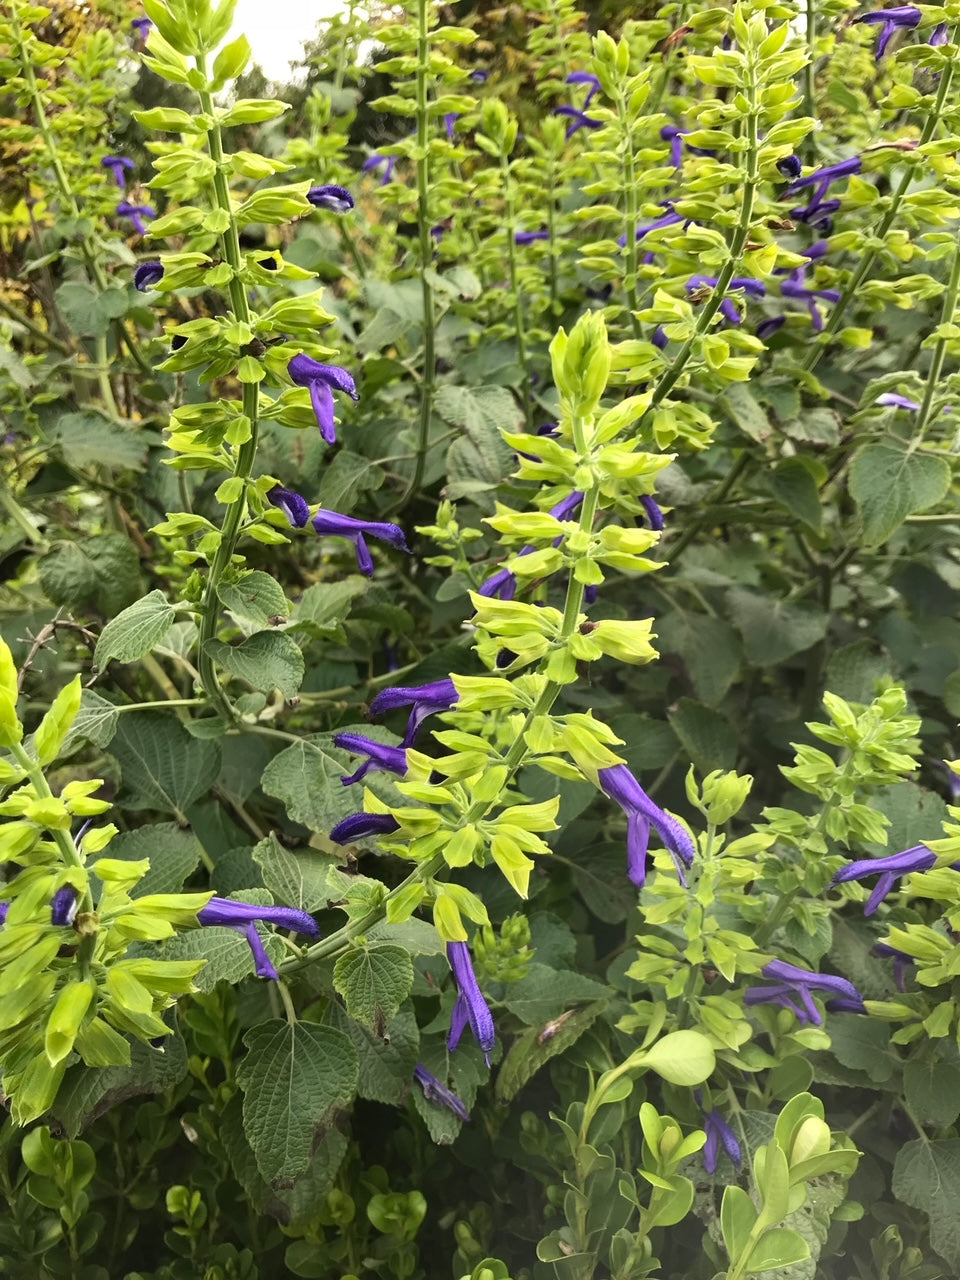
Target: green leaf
[(932, 1090), (795, 487), (267, 660), (297, 877), (96, 722), (163, 767), (101, 573), (374, 981), (227, 953), (87, 440), (682, 1057), (889, 483), (307, 778), (779, 1247), (538, 1045), (256, 597), (710, 648), (86, 1094), (326, 604), (479, 459), (743, 410), (173, 852), (773, 630), (737, 1217), (708, 737), (544, 993), (345, 478), (135, 631), (294, 1080), (387, 1060)]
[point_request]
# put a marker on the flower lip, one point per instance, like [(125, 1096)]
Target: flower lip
[(470, 1006), (379, 755), (580, 119), (294, 506), (424, 700), (333, 524), (322, 380), (331, 196), (136, 213), (620, 785), (360, 825), (118, 166), (226, 911), (435, 1091), (147, 275)]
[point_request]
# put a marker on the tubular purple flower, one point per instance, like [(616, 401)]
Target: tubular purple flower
[(63, 906), (330, 196), (793, 286), (767, 327), (620, 785), (504, 583), (119, 166), (434, 1091), (585, 77), (136, 213), (470, 1006), (379, 756), (821, 179), (817, 215), (361, 825), (479, 76), (669, 219), (889, 869), (372, 163), (528, 237), (295, 507), (790, 166), (449, 120), (718, 1132), (674, 135), (331, 524), (142, 27), (901, 963), (502, 586), (900, 17), (939, 34), (243, 916), (4, 908), (322, 380), (891, 400), (794, 983), (565, 508), (654, 514), (147, 275), (424, 700), (660, 338), (579, 118)]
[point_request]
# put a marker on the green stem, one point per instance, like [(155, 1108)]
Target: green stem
[(630, 178), (939, 352), (246, 454), (510, 224), (41, 334), (428, 383), (869, 255), (809, 95), (19, 517)]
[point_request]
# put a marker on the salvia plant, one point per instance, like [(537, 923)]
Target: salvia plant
[(479, 667)]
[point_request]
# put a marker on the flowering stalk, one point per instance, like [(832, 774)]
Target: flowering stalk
[(510, 224), (947, 314), (869, 252)]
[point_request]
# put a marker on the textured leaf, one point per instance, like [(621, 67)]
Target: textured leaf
[(708, 737), (96, 721), (86, 1094), (267, 660), (538, 1045), (162, 766), (326, 604), (710, 649), (174, 856), (479, 459), (374, 981), (256, 598), (101, 573), (773, 630), (135, 631), (345, 478), (307, 778), (794, 486), (926, 1175), (294, 1079), (296, 877), (87, 440), (544, 993), (889, 483), (932, 1090), (743, 410), (387, 1060)]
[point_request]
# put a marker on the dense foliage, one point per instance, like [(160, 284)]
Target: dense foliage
[(480, 656)]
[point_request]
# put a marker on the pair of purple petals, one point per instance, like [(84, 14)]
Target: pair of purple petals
[(470, 1009), (63, 907), (332, 524), (819, 212), (794, 988), (322, 380), (377, 161), (620, 785), (889, 869), (718, 1134), (437, 1092), (119, 166), (136, 213), (242, 917), (753, 288), (579, 118), (902, 17)]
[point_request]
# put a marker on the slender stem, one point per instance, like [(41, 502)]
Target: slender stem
[(869, 255), (510, 225), (243, 466), (630, 181), (939, 352), (428, 383), (20, 518), (809, 94), (41, 334), (103, 376)]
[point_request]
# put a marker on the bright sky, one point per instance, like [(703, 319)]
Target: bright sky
[(278, 29)]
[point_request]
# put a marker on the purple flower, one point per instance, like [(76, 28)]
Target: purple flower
[(891, 400), (63, 906), (901, 962), (889, 869), (660, 338), (794, 983), (323, 380), (620, 785), (674, 135), (767, 327), (718, 1131), (293, 506), (379, 755), (793, 286), (434, 1091), (372, 163), (361, 825), (817, 215), (470, 1006), (939, 34), (449, 120), (755, 288), (136, 213), (528, 237), (821, 179), (479, 76), (504, 583), (654, 514), (333, 525), (147, 275), (585, 77), (580, 120), (669, 219), (242, 917), (4, 908), (142, 27), (424, 700), (901, 17), (117, 166), (330, 196), (790, 166)]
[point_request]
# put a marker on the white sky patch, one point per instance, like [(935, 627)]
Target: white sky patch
[(278, 29)]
